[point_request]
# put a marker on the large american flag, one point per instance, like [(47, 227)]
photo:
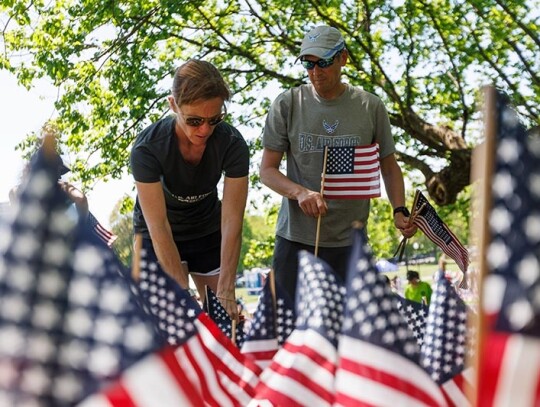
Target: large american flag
[(510, 362), (271, 325), (70, 321), (379, 357), (426, 218), (221, 375), (448, 343), (352, 173), (302, 372)]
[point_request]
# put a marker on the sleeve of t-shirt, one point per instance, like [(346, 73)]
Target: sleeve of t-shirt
[(145, 167), (236, 162), (275, 134), (383, 131)]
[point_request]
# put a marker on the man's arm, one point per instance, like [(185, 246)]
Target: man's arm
[(311, 202), (395, 189), (152, 203)]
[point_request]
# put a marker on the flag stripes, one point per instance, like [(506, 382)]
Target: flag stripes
[(352, 173), (369, 374), (155, 381), (426, 218)]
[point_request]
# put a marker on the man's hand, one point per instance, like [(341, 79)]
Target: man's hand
[(312, 203), (405, 226)]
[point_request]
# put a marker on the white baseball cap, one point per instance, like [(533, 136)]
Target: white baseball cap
[(323, 42)]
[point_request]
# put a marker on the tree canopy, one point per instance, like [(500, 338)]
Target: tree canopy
[(112, 62)]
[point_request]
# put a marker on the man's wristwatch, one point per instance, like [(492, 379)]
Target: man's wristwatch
[(403, 210)]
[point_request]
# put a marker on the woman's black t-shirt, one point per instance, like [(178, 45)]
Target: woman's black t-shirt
[(191, 196)]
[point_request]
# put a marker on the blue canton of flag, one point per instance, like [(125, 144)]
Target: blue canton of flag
[(69, 323), (271, 325), (379, 355), (415, 314), (514, 252), (221, 318), (509, 364), (302, 372), (285, 314), (448, 343)]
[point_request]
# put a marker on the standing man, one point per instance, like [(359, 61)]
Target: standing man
[(300, 123)]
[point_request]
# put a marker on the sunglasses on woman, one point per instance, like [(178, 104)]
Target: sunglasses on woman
[(197, 121)]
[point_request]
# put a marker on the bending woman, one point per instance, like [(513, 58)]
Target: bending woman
[(177, 163)]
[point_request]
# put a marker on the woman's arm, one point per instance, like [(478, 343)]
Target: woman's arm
[(232, 216), (152, 203)]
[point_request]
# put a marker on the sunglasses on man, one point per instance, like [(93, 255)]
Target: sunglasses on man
[(321, 63)]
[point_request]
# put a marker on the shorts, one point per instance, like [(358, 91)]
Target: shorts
[(203, 255)]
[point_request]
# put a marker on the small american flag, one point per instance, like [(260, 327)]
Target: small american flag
[(270, 326), (352, 173), (219, 315), (510, 363), (448, 343), (105, 235), (426, 218), (221, 375), (379, 356), (415, 313), (302, 372)]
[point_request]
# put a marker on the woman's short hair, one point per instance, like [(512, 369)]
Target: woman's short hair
[(198, 80)]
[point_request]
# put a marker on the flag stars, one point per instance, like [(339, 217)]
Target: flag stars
[(503, 185), (500, 220), (498, 254)]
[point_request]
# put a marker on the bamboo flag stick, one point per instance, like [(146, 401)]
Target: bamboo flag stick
[(136, 261), (323, 176), (481, 173), (272, 282), (233, 331)]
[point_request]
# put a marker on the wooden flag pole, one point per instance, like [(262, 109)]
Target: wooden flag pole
[(481, 173), (323, 176), (272, 282), (136, 262)]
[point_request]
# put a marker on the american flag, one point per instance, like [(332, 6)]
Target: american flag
[(219, 315), (379, 357), (105, 235), (448, 343), (352, 173), (213, 364), (415, 313), (426, 218), (510, 362), (70, 322), (270, 326), (302, 372)]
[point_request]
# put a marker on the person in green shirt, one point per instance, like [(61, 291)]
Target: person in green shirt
[(416, 289)]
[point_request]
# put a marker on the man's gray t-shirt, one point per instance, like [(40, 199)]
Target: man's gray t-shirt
[(301, 124)]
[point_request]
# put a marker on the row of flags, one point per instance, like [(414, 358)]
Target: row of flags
[(76, 329)]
